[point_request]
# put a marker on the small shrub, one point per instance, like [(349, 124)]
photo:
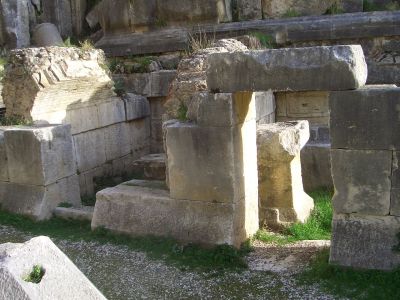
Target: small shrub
[(119, 87), (200, 41), (182, 111), (267, 41), (86, 45), (335, 9), (143, 64), (36, 275), (88, 200), (14, 120), (291, 13), (160, 23)]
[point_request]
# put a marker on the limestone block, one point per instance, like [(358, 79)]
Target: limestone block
[(61, 280), (362, 181), (143, 208), (303, 105), (117, 141), (3, 159), (46, 35), (139, 132), (265, 106), (49, 81), (316, 167), (212, 163), (151, 166), (111, 112), (249, 10), (333, 68), (160, 82), (57, 12), (365, 242), (90, 149), (82, 119), (15, 19), (136, 107), (137, 83), (39, 201), (395, 194), (365, 119), (39, 155), (282, 199)]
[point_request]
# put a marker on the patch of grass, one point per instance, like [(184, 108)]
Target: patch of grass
[(14, 120), (317, 227), (36, 275), (335, 9), (350, 283), (119, 87), (65, 205), (160, 23), (392, 6), (86, 45), (143, 64), (88, 200), (291, 13), (184, 256), (266, 41), (182, 112), (201, 40)]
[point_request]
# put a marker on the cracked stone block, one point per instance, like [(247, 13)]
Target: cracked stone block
[(365, 242), (282, 199), (362, 181), (333, 68), (39, 155), (136, 107), (61, 280)]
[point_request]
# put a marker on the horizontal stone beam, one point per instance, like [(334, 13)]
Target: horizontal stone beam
[(289, 69)]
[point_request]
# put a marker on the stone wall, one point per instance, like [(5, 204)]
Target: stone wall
[(365, 141), (70, 86)]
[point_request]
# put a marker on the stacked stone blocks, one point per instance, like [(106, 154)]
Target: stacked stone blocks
[(364, 131)]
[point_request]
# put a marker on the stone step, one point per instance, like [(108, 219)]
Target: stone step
[(151, 167), (84, 213)]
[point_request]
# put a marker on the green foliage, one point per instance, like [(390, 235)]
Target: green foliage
[(3, 63), (369, 5), (267, 41), (392, 6), (86, 45), (335, 9), (182, 112), (36, 275), (166, 249), (119, 87), (351, 283), (14, 121), (160, 23), (291, 13), (143, 64), (65, 205), (317, 227)]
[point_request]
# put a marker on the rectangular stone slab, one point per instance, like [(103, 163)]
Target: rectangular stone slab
[(365, 119), (3, 159), (143, 207), (362, 181), (295, 69), (365, 242), (61, 280), (39, 155)]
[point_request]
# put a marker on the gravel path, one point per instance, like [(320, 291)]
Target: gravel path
[(121, 273)]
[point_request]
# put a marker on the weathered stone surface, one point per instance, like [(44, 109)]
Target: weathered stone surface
[(62, 279), (279, 8), (46, 35), (265, 107), (57, 12), (15, 23), (39, 155), (39, 201), (365, 242), (117, 141), (368, 112), (140, 136), (395, 194), (3, 159), (310, 106), (136, 107), (362, 181), (334, 68), (191, 77), (78, 12), (111, 112), (37, 78), (151, 167), (89, 149), (138, 208), (70, 213), (316, 167), (212, 163), (282, 199), (249, 10)]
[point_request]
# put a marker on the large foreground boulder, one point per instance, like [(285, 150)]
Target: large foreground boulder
[(58, 277)]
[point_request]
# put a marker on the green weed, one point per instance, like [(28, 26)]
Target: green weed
[(36, 275), (291, 13), (14, 120), (266, 41), (335, 9), (182, 112)]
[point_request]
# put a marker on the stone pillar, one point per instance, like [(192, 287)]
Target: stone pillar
[(282, 199), (215, 161), (41, 171), (78, 12), (58, 12), (365, 139)]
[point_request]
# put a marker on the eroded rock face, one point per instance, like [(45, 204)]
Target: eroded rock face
[(279, 8), (191, 80), (43, 81)]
